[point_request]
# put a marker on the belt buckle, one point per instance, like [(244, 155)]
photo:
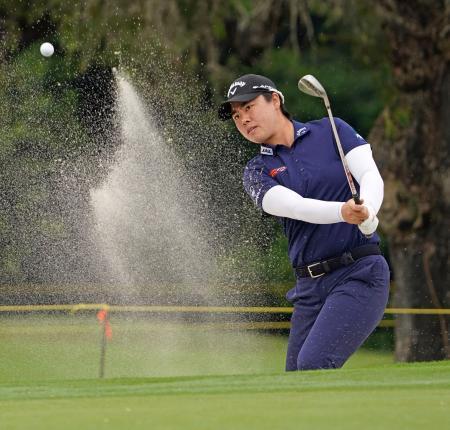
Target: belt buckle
[(311, 273)]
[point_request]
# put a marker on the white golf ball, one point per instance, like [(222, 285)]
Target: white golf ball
[(47, 49)]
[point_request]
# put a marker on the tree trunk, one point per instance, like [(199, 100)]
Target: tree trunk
[(411, 143)]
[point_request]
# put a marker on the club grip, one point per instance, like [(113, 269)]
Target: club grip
[(356, 198)]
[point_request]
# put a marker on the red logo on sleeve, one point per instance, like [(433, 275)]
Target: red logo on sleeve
[(274, 172)]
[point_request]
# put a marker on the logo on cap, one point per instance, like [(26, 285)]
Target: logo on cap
[(266, 87), (235, 85)]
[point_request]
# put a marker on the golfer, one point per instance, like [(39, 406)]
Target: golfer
[(342, 278)]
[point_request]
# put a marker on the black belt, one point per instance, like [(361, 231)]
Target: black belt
[(314, 270)]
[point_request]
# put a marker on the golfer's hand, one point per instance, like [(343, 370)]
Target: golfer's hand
[(353, 213)]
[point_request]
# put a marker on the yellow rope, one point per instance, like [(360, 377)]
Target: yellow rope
[(193, 309)]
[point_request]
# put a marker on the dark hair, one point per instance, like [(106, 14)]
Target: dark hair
[(268, 98)]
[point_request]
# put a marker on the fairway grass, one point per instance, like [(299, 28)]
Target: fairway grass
[(400, 396)]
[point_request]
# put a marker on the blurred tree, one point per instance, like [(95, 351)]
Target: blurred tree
[(412, 135)]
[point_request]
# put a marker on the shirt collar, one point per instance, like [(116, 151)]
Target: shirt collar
[(300, 129)]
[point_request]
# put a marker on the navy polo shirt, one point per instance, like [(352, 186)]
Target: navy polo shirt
[(312, 168)]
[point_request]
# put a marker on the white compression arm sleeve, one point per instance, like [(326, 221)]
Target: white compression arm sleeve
[(363, 168), (283, 202)]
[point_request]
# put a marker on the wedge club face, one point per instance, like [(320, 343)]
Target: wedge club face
[(310, 85)]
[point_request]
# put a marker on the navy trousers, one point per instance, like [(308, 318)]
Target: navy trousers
[(335, 313)]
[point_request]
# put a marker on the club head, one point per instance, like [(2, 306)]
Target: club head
[(310, 85)]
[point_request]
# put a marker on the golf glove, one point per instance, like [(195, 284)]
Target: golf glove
[(369, 226)]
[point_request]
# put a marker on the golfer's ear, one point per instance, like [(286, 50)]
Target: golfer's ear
[(276, 100)]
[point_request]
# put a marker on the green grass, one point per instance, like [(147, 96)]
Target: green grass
[(395, 396), (68, 347), (219, 379)]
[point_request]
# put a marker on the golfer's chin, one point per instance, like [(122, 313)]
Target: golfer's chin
[(255, 138)]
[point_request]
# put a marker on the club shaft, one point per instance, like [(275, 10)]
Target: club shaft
[(351, 184), (310, 85), (355, 194)]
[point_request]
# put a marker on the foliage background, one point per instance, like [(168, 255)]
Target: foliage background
[(58, 113)]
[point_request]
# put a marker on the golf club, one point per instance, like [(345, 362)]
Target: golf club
[(311, 86)]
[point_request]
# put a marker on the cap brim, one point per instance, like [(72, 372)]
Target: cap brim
[(224, 111)]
